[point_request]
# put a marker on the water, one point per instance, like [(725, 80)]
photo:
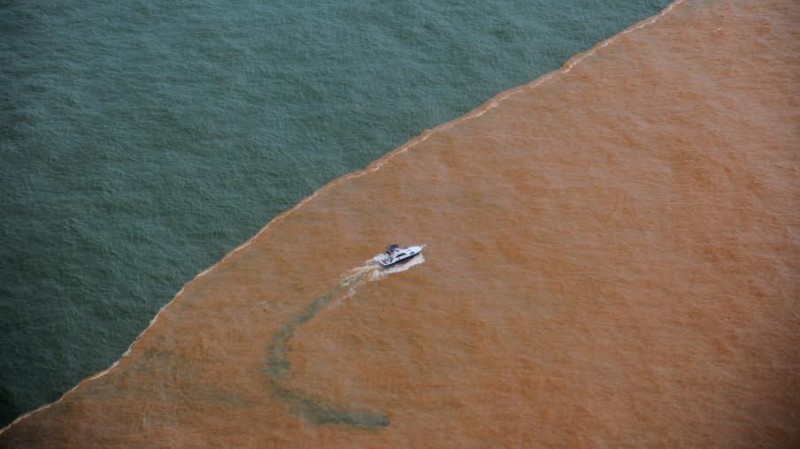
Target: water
[(278, 365), (141, 141), (610, 261)]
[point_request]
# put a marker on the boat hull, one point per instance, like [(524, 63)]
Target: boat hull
[(410, 253)]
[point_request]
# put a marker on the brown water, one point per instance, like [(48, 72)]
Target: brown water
[(613, 260)]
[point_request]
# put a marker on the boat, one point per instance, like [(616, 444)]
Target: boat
[(396, 254)]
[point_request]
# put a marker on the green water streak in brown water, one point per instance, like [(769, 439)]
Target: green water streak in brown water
[(279, 368)]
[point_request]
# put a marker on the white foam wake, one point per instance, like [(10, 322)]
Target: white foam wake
[(373, 271)]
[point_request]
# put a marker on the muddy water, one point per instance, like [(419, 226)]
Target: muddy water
[(612, 260)]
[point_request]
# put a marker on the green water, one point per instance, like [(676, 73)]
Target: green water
[(141, 141)]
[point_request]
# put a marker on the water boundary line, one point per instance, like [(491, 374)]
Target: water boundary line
[(374, 166)]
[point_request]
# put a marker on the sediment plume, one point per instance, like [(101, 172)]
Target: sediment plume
[(612, 260)]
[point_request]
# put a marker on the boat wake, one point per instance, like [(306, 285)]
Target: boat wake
[(278, 367), (372, 271)]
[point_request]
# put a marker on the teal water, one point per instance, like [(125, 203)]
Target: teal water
[(141, 141)]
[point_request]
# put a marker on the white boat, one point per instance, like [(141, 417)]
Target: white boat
[(396, 254)]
